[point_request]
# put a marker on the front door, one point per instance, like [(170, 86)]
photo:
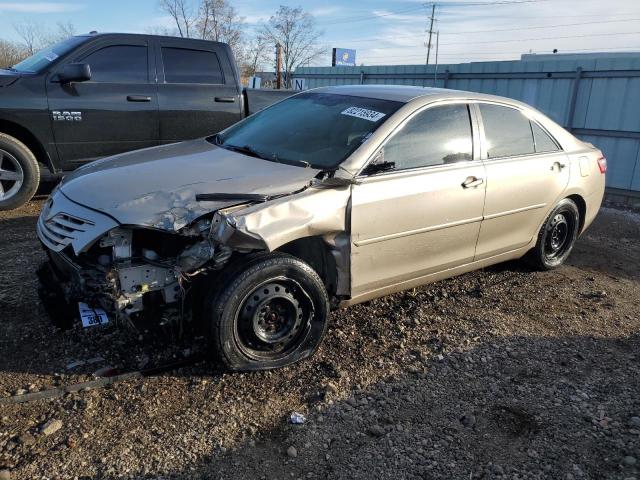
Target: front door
[(116, 111), (198, 91), (526, 175), (423, 215)]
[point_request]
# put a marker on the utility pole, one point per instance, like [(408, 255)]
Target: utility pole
[(433, 14), (278, 66)]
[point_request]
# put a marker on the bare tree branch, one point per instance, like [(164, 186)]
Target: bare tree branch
[(295, 30)]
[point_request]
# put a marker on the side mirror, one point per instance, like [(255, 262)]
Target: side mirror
[(379, 165), (75, 72)]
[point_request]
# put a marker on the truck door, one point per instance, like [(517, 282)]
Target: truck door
[(198, 89), (115, 111)]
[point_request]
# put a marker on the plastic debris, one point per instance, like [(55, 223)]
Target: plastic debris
[(297, 418)]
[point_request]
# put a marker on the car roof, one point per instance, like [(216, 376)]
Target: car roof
[(407, 93)]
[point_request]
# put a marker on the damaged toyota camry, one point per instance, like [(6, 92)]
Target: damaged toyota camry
[(329, 198)]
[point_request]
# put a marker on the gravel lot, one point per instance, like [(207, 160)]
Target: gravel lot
[(501, 373)]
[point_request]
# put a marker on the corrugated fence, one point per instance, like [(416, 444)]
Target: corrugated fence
[(597, 99)]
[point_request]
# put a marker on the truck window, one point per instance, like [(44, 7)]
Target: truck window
[(119, 63), (182, 65)]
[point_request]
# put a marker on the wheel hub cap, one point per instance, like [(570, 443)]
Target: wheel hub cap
[(11, 175)]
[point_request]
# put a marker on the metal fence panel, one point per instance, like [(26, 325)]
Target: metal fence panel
[(598, 98)]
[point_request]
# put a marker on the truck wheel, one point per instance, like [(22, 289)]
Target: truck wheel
[(556, 237), (271, 313), (19, 173)]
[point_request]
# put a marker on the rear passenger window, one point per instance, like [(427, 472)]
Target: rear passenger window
[(507, 131), (543, 142), (435, 136), (191, 66), (119, 64)]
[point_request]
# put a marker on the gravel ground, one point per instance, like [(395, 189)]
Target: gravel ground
[(501, 373)]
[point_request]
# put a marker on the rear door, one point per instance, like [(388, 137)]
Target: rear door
[(198, 91), (115, 111), (526, 175)]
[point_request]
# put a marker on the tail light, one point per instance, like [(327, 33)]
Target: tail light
[(602, 164)]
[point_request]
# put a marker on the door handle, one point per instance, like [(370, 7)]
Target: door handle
[(472, 182), (560, 166), (225, 99), (138, 98)]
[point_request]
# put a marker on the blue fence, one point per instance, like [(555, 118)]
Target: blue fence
[(598, 99)]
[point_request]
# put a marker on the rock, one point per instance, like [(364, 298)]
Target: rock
[(292, 452), (72, 442), (27, 439), (20, 391), (634, 422), (331, 388), (5, 475), (376, 431), (629, 461), (468, 420), (51, 427)]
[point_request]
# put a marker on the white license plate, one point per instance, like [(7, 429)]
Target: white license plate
[(92, 316)]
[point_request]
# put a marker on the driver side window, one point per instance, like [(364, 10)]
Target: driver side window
[(436, 136)]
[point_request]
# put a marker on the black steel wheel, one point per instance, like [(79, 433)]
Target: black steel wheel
[(272, 312), (557, 236)]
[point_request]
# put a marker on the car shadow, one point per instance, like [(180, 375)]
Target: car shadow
[(548, 406)]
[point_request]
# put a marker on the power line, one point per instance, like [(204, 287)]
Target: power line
[(414, 35), (413, 9), (516, 40), (464, 54), (545, 38)]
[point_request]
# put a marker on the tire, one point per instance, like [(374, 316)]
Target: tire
[(557, 236), (19, 173), (273, 311)]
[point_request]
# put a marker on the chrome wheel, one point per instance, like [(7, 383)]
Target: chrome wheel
[(11, 175)]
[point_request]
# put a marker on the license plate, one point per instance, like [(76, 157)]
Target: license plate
[(92, 317)]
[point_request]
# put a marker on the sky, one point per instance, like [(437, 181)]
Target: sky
[(385, 32)]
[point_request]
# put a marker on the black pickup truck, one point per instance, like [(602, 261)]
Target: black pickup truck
[(95, 95)]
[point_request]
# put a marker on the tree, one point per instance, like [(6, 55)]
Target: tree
[(32, 36), (62, 32), (258, 52), (10, 53), (181, 13), (218, 21), (295, 30)]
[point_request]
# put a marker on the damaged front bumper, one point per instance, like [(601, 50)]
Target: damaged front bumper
[(126, 271)]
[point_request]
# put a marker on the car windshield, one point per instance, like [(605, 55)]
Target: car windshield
[(46, 56), (310, 129)]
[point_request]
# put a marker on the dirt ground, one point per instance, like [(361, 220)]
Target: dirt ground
[(501, 373)]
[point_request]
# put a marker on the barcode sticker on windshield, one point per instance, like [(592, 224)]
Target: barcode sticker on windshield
[(363, 113)]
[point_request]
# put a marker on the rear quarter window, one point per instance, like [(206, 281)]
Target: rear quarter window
[(183, 65)]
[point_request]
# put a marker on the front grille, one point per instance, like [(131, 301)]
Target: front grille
[(61, 229)]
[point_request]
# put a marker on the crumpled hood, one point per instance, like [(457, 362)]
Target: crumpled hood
[(7, 77), (157, 186)]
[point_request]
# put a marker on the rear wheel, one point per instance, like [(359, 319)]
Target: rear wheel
[(556, 237), (19, 173), (271, 313)]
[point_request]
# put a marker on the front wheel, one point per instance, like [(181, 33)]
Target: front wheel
[(19, 173), (556, 237), (271, 313)]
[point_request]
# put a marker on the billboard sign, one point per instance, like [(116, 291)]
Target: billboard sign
[(343, 57)]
